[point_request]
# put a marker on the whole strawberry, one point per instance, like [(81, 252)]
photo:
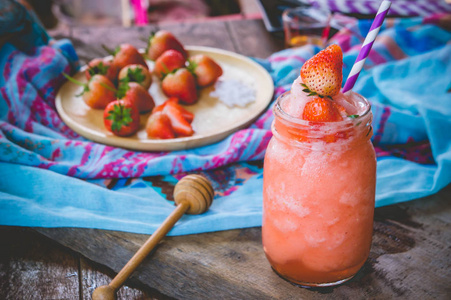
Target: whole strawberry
[(134, 93), (160, 42), (126, 54), (322, 74), (207, 71), (102, 67), (167, 62), (322, 110), (121, 118), (136, 73), (180, 84), (98, 92)]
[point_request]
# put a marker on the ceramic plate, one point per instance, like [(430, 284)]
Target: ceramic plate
[(213, 119)]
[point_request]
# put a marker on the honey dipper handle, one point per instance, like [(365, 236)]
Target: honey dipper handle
[(148, 246)]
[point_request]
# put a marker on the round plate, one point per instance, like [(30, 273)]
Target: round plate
[(213, 120)]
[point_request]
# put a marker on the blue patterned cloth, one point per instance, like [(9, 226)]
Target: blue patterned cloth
[(52, 177)]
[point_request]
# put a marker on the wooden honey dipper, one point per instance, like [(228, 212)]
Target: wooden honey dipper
[(193, 194)]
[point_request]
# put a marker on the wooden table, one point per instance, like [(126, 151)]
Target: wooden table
[(410, 256)]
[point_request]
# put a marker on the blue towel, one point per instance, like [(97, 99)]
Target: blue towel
[(52, 177)]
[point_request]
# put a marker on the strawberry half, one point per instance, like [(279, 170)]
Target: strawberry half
[(322, 74), (159, 126), (180, 125), (187, 115)]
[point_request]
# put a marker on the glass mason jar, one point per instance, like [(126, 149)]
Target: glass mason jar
[(319, 184)]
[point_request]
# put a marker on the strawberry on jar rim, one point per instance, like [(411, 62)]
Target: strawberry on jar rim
[(160, 42), (205, 69), (136, 73), (322, 74), (167, 62), (322, 110), (121, 118), (182, 85)]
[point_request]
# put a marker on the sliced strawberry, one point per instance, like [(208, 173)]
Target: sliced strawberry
[(169, 61), (187, 115), (321, 110), (180, 84), (180, 125), (207, 71), (322, 74), (159, 126)]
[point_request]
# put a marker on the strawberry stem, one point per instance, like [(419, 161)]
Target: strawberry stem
[(108, 87), (109, 50), (74, 80)]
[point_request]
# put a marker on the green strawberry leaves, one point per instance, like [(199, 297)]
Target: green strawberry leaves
[(84, 85), (120, 116), (311, 93), (135, 75), (122, 88), (98, 69)]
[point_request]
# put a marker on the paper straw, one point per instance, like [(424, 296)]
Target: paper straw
[(366, 46)]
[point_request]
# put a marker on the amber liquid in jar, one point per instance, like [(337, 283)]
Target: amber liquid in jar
[(318, 196)]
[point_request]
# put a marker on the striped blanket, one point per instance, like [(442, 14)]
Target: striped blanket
[(53, 177)]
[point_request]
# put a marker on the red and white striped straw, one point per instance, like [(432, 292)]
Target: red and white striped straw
[(366, 46)]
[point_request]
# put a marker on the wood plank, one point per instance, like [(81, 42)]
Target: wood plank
[(94, 275), (88, 41), (34, 267), (252, 39), (209, 34)]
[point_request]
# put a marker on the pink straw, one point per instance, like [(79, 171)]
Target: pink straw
[(366, 46), (140, 13)]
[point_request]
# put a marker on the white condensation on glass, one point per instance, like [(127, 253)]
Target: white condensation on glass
[(233, 92)]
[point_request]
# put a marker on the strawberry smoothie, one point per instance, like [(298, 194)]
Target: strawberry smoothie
[(319, 187)]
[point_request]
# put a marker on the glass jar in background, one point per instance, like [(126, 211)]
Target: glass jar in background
[(318, 196), (306, 25)]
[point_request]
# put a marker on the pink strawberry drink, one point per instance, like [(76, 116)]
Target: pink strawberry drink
[(319, 185)]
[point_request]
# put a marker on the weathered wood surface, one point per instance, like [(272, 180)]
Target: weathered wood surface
[(410, 256), (34, 267)]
